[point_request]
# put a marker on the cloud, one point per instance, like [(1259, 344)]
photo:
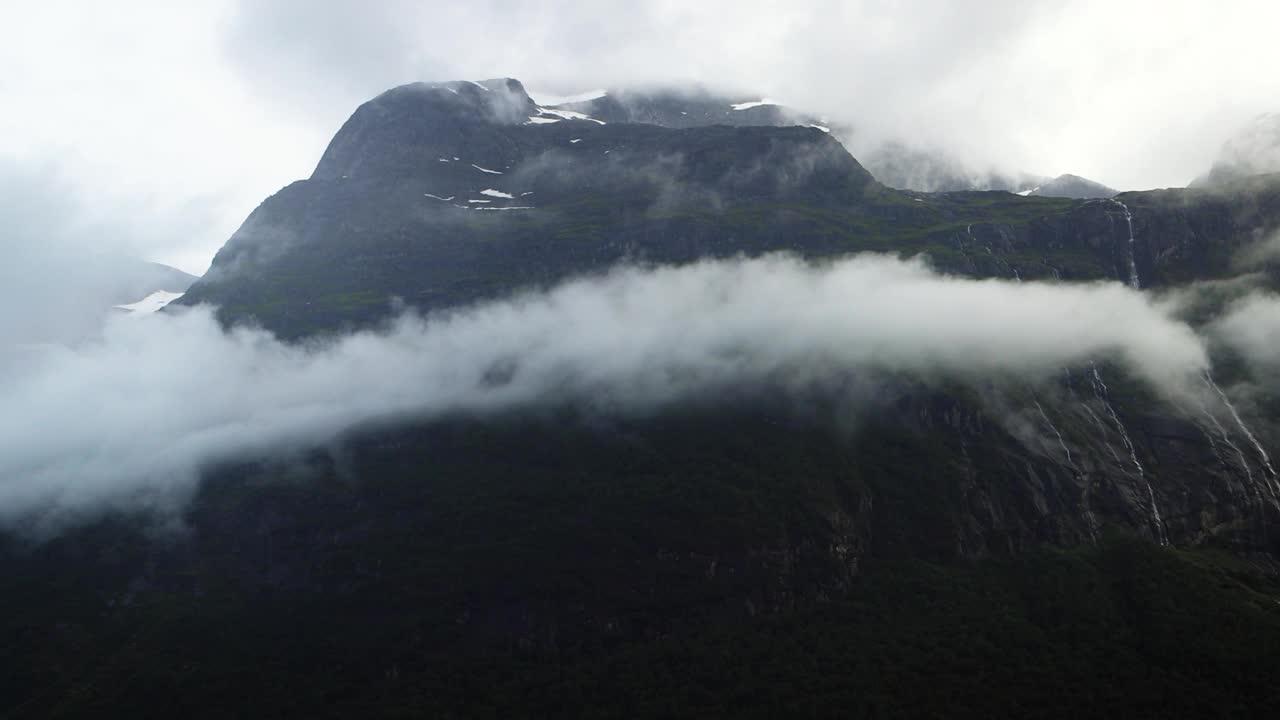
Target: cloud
[(134, 417), (1260, 254), (1251, 327), (151, 109), (1136, 94)]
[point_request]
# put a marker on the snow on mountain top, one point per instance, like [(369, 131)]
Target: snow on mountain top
[(152, 302), (569, 115), (753, 103)]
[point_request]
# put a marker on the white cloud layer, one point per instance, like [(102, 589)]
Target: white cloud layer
[(133, 416)]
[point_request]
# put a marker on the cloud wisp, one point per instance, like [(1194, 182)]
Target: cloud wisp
[(134, 416)]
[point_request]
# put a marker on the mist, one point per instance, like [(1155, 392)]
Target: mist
[(130, 418), (1251, 327)]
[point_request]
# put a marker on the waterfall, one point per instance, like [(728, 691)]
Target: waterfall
[(1269, 472), (999, 261), (1133, 265), (1061, 441), (1102, 431), (964, 251), (1087, 483), (1102, 393), (1226, 438)]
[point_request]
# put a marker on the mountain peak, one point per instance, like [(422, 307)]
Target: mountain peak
[(1072, 186), (419, 122)]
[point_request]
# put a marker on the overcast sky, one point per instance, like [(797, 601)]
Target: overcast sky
[(154, 128)]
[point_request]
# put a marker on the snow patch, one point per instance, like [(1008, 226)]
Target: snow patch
[(479, 201), (575, 140), (518, 207), (569, 115), (533, 120), (1025, 193), (152, 302), (437, 197), (823, 128), (487, 170), (496, 193), (473, 82), (753, 103)]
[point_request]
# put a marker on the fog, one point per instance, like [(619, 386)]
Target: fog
[(130, 418), (1251, 326)]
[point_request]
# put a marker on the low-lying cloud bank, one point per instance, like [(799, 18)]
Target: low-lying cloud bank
[(132, 417), (1251, 327)]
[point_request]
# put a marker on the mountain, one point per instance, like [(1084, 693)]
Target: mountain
[(994, 547), (893, 163), (439, 196), (1071, 186), (1252, 150)]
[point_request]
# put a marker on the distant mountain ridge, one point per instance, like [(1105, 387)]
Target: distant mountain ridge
[(1071, 186)]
